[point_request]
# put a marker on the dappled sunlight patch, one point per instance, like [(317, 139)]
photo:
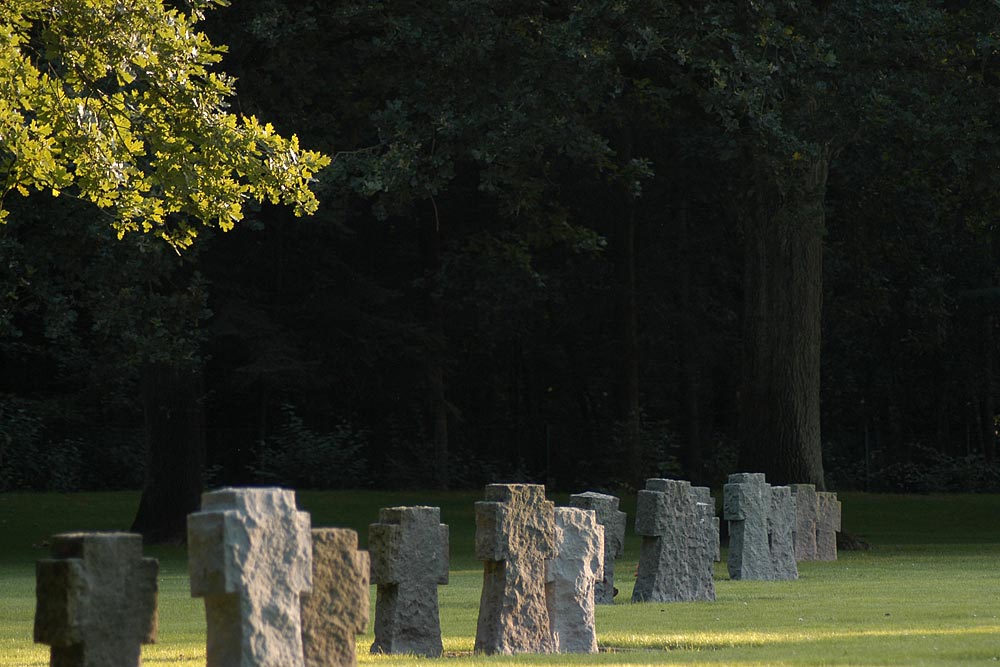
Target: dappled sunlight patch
[(457, 645), (174, 661), (184, 655), (35, 656), (366, 657), (700, 641), (697, 641), (453, 647), (901, 633)]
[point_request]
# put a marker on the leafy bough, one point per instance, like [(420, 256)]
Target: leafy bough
[(114, 101)]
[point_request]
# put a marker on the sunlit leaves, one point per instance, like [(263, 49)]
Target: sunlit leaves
[(115, 101)]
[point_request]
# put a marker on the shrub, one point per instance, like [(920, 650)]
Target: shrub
[(27, 461), (299, 457), (927, 470)]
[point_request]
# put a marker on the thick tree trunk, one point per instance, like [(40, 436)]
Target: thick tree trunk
[(988, 403), (783, 290), (439, 413), (175, 439)]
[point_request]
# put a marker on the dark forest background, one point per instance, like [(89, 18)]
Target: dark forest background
[(574, 244)]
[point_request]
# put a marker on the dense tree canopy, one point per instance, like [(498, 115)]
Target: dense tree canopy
[(580, 244)]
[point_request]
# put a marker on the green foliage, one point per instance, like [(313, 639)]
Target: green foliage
[(909, 345), (487, 155), (468, 100), (117, 103), (41, 450), (925, 470), (72, 297), (300, 457), (27, 461)]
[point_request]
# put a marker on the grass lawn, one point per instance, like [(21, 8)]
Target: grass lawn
[(927, 594)]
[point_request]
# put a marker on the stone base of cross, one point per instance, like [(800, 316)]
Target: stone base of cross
[(96, 600)]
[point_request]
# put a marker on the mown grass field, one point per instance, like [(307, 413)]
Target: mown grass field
[(928, 593)]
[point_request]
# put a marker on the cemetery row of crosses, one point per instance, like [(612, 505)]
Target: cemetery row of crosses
[(279, 592)]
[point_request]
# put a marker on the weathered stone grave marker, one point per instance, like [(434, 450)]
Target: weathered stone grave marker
[(613, 520), (746, 504), (806, 508), (827, 525), (409, 554), (572, 577), (249, 556), (703, 496), (781, 529), (337, 608), (705, 550), (678, 543), (515, 535), (762, 521), (96, 600)]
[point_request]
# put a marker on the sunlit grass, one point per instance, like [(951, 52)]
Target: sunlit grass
[(928, 594)]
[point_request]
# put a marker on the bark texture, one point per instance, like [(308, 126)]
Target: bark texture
[(783, 296)]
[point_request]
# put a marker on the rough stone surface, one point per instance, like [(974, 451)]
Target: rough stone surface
[(572, 575), (703, 495), (704, 549), (717, 523), (659, 519), (515, 535), (614, 521), (337, 608), (746, 505), (249, 556), (409, 552), (678, 543), (96, 600), (827, 525), (781, 524), (806, 509)]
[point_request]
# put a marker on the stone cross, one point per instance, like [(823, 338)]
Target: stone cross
[(249, 556), (572, 576), (827, 525), (806, 508), (678, 544), (337, 608), (96, 600), (703, 496), (705, 549), (659, 519), (515, 535), (608, 515), (781, 527), (409, 552), (746, 504)]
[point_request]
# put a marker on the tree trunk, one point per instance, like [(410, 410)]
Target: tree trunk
[(783, 290), (987, 403), (690, 380), (175, 440), (437, 405), (629, 410), (439, 413)]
